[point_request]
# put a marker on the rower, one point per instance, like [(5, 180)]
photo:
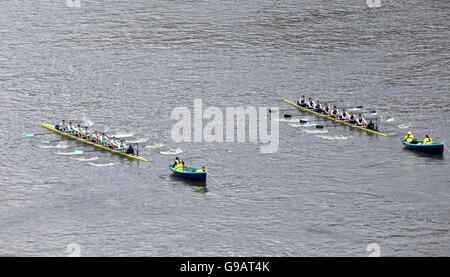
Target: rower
[(351, 118), (95, 137), (122, 146), (113, 143), (70, 128), (361, 121), (86, 134), (427, 140), (326, 109), (318, 107), (63, 126), (343, 115), (104, 140), (310, 104), (203, 169), (178, 164), (335, 112), (79, 131), (302, 101), (409, 137)]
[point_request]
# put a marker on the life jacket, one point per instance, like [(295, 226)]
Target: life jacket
[(409, 138), (178, 165), (427, 141)]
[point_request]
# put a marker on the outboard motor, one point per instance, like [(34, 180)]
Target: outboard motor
[(371, 126), (130, 150)]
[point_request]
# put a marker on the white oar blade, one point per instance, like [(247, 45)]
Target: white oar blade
[(29, 135), (78, 152), (45, 142)]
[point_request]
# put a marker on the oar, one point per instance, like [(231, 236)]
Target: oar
[(446, 148), (287, 116), (270, 111), (33, 135), (213, 179), (48, 142)]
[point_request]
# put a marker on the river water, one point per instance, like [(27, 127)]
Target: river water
[(123, 66)]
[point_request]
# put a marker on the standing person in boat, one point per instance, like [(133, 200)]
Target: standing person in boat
[(361, 121), (310, 104), (122, 146), (178, 164), (343, 115), (326, 109), (302, 101), (63, 126), (335, 112), (318, 107), (409, 137), (351, 118)]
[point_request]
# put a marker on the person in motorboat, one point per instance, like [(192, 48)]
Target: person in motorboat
[(409, 137), (178, 164), (426, 140), (302, 101), (203, 169), (361, 121)]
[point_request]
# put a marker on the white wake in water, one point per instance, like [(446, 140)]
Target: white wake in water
[(141, 140), (54, 146), (87, 122), (339, 137), (122, 135), (389, 119), (66, 153), (322, 131), (101, 165), (404, 126), (155, 145), (302, 125), (86, 159), (171, 151)]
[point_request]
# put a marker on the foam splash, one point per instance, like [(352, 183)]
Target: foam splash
[(87, 122), (389, 119), (404, 126), (337, 137), (323, 131), (101, 165), (155, 145), (171, 151), (54, 146)]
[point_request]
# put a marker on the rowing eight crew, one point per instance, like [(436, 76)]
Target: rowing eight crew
[(333, 112), (95, 137)]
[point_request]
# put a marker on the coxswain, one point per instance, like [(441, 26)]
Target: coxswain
[(302, 101), (335, 112), (361, 121), (178, 164)]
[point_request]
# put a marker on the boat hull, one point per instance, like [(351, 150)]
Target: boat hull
[(435, 148), (190, 175), (93, 144), (333, 119)]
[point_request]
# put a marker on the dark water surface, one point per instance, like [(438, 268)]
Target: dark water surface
[(124, 65)]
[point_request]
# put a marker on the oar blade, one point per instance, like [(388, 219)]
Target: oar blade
[(45, 142), (29, 135), (78, 152)]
